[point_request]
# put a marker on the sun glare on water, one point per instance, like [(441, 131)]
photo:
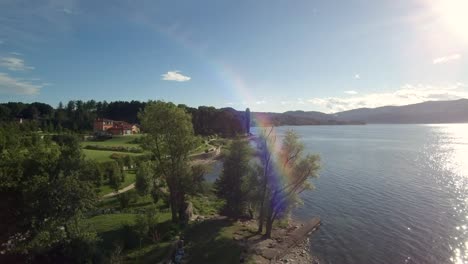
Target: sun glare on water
[(456, 144)]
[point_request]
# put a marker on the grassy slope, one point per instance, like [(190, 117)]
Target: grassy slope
[(124, 141), (111, 228), (104, 155), (212, 241), (207, 242)]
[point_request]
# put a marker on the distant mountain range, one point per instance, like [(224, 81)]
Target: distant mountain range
[(422, 113)]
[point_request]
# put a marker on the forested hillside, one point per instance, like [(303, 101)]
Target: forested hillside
[(78, 116)]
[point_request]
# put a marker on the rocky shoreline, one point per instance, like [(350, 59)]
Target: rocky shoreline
[(300, 254), (290, 244)]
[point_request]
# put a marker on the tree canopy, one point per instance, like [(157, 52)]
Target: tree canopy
[(42, 193)]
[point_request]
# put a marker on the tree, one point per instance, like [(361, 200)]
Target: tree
[(146, 225), (170, 138), (42, 195), (281, 187), (144, 178), (113, 174), (231, 186)]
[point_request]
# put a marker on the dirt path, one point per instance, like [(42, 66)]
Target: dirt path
[(126, 189)]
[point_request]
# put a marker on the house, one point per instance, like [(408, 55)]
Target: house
[(115, 127), (102, 124)]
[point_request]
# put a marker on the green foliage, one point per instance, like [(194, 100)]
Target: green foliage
[(114, 148), (124, 199), (277, 200), (92, 172), (170, 138), (147, 225), (113, 174), (144, 178), (43, 190), (232, 184), (211, 242)]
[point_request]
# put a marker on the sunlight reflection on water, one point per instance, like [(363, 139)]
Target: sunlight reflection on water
[(453, 143)]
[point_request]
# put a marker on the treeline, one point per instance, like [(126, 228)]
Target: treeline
[(78, 116)]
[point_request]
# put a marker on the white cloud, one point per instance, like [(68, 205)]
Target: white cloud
[(11, 85), (357, 76), (446, 59), (14, 64), (407, 94), (260, 102), (350, 92), (175, 76)]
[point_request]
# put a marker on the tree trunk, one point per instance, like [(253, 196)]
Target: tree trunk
[(173, 204), (261, 218), (269, 227), (269, 219)]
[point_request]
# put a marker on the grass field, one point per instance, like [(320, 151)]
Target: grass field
[(116, 141), (117, 229), (125, 141), (211, 241), (103, 155)]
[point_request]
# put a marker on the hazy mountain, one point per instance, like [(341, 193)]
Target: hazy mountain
[(426, 112)]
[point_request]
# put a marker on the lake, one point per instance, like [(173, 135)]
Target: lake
[(389, 193)]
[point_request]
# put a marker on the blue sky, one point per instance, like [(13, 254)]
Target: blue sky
[(266, 55)]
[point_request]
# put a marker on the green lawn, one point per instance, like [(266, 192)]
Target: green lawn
[(104, 155), (211, 242), (115, 229), (129, 179), (110, 222), (125, 141)]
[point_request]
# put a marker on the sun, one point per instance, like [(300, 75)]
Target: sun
[(453, 14)]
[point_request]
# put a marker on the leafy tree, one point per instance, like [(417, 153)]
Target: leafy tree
[(146, 225), (113, 174), (231, 186), (42, 195), (92, 173), (170, 138), (145, 178), (278, 196)]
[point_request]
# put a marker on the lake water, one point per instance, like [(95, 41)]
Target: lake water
[(389, 193)]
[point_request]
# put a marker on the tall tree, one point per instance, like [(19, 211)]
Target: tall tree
[(282, 187), (170, 138), (231, 186), (144, 178)]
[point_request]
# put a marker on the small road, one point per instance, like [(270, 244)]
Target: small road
[(193, 162)]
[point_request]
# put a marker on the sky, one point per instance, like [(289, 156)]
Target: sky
[(268, 55)]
